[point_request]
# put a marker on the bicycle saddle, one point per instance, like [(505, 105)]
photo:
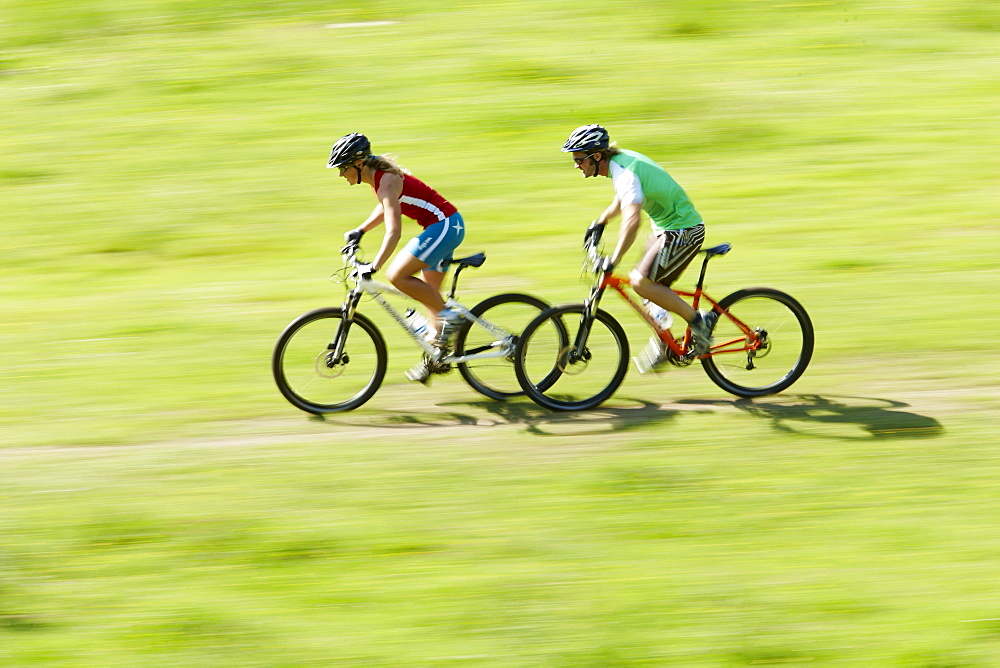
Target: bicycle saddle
[(721, 249), (470, 261)]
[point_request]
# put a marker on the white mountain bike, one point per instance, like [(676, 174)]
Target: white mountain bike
[(334, 359)]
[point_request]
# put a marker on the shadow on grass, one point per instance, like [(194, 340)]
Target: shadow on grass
[(533, 418), (604, 419), (834, 417), (837, 417)]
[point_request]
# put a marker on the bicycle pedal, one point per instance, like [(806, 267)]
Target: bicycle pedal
[(651, 356), (641, 365), (644, 365)]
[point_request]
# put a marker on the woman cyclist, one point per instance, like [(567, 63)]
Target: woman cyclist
[(401, 194), (678, 231)]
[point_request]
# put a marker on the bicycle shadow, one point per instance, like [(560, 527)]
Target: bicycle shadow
[(835, 417), (529, 416), (832, 417), (602, 420)]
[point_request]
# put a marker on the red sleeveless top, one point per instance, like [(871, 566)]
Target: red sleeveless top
[(419, 201)]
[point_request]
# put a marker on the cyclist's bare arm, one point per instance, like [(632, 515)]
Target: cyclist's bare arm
[(373, 220), (629, 229), (611, 212), (390, 189)]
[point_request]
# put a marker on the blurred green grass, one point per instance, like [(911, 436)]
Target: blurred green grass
[(166, 212)]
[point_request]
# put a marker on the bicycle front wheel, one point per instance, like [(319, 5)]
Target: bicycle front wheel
[(761, 345), (309, 375), (491, 369), (560, 375)]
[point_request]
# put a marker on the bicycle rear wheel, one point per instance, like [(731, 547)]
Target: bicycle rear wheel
[(307, 373), (778, 325), (551, 372), (493, 374)]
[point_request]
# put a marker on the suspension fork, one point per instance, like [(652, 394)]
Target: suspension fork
[(348, 309), (587, 319)]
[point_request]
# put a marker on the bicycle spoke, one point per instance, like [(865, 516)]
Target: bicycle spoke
[(313, 378), (770, 348), (562, 376), (491, 372)]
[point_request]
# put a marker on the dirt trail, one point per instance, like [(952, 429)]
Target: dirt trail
[(412, 418)]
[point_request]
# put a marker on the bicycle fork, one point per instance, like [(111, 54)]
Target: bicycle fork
[(336, 356), (579, 352)]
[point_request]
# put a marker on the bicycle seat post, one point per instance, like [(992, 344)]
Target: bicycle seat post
[(704, 268), (454, 280), (721, 249)]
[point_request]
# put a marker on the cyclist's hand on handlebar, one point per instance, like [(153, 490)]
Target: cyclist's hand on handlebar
[(606, 266), (593, 234), (364, 270), (353, 239)]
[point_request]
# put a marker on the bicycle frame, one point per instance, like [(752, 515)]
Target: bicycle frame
[(680, 347), (365, 285)]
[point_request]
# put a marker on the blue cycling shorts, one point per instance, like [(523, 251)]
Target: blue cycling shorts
[(437, 242)]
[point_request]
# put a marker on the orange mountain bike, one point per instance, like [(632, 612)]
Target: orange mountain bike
[(762, 341)]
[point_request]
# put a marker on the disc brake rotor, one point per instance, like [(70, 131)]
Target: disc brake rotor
[(570, 366), (326, 367)]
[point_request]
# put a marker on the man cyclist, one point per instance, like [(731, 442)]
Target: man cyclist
[(640, 184), (401, 194)]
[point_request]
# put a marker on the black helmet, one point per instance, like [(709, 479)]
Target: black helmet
[(348, 149), (587, 138)]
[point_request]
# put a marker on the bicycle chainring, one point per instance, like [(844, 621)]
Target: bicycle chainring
[(677, 360)]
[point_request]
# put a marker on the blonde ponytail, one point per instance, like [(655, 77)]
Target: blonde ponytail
[(385, 163)]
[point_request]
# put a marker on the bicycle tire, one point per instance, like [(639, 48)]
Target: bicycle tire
[(306, 376), (790, 342), (540, 353), (495, 377)]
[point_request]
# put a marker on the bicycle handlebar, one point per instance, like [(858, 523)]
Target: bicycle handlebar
[(595, 259), (350, 251)]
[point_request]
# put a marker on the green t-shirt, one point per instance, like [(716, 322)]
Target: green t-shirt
[(639, 180)]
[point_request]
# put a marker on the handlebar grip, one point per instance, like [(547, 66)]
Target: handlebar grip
[(593, 234)]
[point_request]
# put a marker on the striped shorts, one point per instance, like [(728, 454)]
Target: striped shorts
[(669, 252)]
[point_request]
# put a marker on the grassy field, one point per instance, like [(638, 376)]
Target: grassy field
[(166, 212)]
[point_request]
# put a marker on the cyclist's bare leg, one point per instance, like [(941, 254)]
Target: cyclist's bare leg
[(661, 295), (428, 292), (433, 279)]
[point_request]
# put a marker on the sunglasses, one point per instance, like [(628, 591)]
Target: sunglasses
[(343, 168), (579, 161)]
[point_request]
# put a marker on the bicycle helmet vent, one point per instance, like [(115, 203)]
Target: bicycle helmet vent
[(587, 138), (348, 149)]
